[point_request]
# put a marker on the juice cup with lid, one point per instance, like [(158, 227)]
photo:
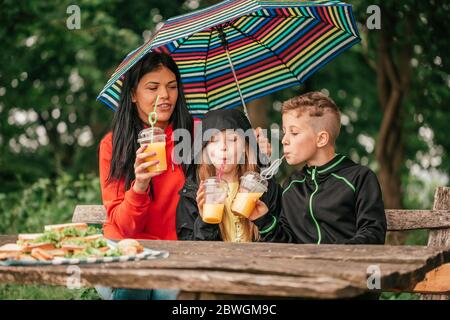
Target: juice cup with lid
[(216, 192), (155, 140), (251, 188)]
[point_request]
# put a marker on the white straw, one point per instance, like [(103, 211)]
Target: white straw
[(272, 170)]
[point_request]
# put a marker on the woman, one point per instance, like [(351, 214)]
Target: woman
[(141, 204)]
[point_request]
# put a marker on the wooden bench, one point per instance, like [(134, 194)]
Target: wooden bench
[(436, 284)]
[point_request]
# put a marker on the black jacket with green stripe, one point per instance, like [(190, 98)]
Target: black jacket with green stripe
[(337, 203)]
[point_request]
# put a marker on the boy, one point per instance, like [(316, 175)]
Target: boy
[(332, 199)]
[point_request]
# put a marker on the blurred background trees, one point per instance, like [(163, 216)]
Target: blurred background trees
[(393, 90)]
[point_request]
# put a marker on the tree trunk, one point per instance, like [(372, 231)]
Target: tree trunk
[(392, 83), (258, 110)]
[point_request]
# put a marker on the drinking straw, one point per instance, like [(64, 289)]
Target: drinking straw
[(153, 118), (219, 174), (269, 172)]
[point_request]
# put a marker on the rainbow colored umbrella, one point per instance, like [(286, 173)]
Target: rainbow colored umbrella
[(239, 50)]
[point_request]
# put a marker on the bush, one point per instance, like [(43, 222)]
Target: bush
[(46, 202)]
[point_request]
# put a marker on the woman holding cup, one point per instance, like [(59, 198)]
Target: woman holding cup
[(139, 179)]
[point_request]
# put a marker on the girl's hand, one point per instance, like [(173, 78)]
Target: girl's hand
[(201, 198), (143, 177), (264, 145), (260, 210)]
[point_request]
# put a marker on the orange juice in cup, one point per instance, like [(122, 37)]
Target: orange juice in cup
[(155, 140), (216, 192), (251, 188), (213, 212)]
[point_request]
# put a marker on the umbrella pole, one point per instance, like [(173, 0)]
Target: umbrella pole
[(225, 45)]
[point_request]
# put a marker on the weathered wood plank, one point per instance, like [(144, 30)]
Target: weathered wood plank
[(94, 214), (436, 281), (397, 220), (402, 220), (190, 280), (360, 253), (363, 253), (198, 257), (438, 239), (393, 275)]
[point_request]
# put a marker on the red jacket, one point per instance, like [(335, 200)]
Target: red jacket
[(136, 215)]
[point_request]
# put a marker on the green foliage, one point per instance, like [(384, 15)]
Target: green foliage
[(46, 202), (35, 292), (399, 296)]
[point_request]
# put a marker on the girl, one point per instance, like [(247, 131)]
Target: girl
[(224, 146)]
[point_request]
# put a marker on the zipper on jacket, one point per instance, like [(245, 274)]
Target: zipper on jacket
[(319, 234)]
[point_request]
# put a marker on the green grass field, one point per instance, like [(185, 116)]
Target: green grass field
[(37, 292)]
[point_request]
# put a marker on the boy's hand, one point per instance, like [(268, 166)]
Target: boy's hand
[(200, 198), (259, 211), (264, 145)]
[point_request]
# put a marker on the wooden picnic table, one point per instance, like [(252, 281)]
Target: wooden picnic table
[(219, 269)]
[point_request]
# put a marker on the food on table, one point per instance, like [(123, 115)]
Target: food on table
[(71, 240), (129, 247), (10, 251)]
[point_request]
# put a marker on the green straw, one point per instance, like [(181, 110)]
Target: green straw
[(153, 118)]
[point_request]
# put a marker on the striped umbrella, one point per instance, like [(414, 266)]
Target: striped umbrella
[(240, 50)]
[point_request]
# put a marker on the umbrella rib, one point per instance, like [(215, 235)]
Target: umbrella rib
[(266, 47), (206, 63)]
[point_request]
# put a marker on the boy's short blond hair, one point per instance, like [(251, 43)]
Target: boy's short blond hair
[(322, 109)]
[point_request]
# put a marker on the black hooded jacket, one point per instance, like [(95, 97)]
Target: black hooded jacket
[(189, 224), (337, 203)]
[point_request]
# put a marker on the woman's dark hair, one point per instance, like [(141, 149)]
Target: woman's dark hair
[(127, 124)]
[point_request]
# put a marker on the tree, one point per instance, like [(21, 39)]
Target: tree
[(51, 75)]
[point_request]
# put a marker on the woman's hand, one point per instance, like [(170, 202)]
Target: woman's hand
[(260, 210), (143, 177), (264, 145), (200, 198)]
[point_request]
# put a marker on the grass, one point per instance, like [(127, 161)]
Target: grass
[(42, 292)]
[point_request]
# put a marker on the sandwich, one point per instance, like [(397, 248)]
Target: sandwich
[(10, 251), (129, 247), (69, 240), (67, 226)]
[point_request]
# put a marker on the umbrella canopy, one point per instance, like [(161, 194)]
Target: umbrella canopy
[(240, 50)]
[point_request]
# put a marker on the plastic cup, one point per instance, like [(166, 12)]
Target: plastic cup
[(155, 140), (216, 192), (252, 186)]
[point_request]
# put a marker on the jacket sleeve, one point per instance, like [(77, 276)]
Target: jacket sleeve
[(370, 215), (190, 225), (273, 226), (128, 210)]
